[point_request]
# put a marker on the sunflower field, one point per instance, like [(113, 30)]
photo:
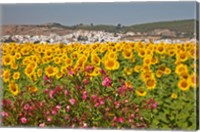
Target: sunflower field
[(131, 85)]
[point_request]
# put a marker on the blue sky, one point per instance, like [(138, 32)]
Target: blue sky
[(97, 13)]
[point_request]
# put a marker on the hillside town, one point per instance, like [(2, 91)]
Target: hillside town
[(84, 36)]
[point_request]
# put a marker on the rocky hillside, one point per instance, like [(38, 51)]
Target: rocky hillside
[(45, 29), (184, 28)]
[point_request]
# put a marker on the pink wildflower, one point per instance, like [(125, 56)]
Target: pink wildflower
[(54, 112), (106, 82), (41, 103), (101, 101), (120, 120), (97, 104), (102, 71), (47, 113), (115, 118), (84, 96), (49, 119), (26, 106), (132, 116), (58, 107), (130, 120), (46, 78), (73, 125), (122, 89), (89, 69), (85, 81), (93, 97), (46, 91), (72, 101), (41, 124), (70, 72), (23, 120), (4, 114), (66, 92), (67, 117), (84, 125), (51, 93), (57, 89), (117, 104), (107, 109), (67, 108), (126, 101), (154, 105)]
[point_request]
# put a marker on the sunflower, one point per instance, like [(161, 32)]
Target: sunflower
[(173, 95), (51, 71), (95, 59), (63, 69), (167, 71), (39, 72), (193, 53), (118, 47), (162, 68), (171, 52), (35, 58), (68, 61), (183, 85), (81, 48), (33, 77), (150, 83), (154, 60), (128, 84), (6, 75), (193, 80), (147, 60), (184, 75), (48, 52), (182, 56), (132, 45), (32, 89), (7, 60), (112, 55), (13, 88), (75, 55), (181, 68), (14, 66), (117, 65), (57, 60), (59, 75), (160, 49), (178, 62), (127, 53), (149, 52), (141, 53), (25, 61), (146, 75), (103, 49), (141, 93), (16, 75), (64, 56), (111, 64), (18, 56), (95, 72), (159, 73), (33, 64), (137, 68), (145, 68), (29, 70), (132, 59), (25, 51), (128, 71), (81, 62)]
